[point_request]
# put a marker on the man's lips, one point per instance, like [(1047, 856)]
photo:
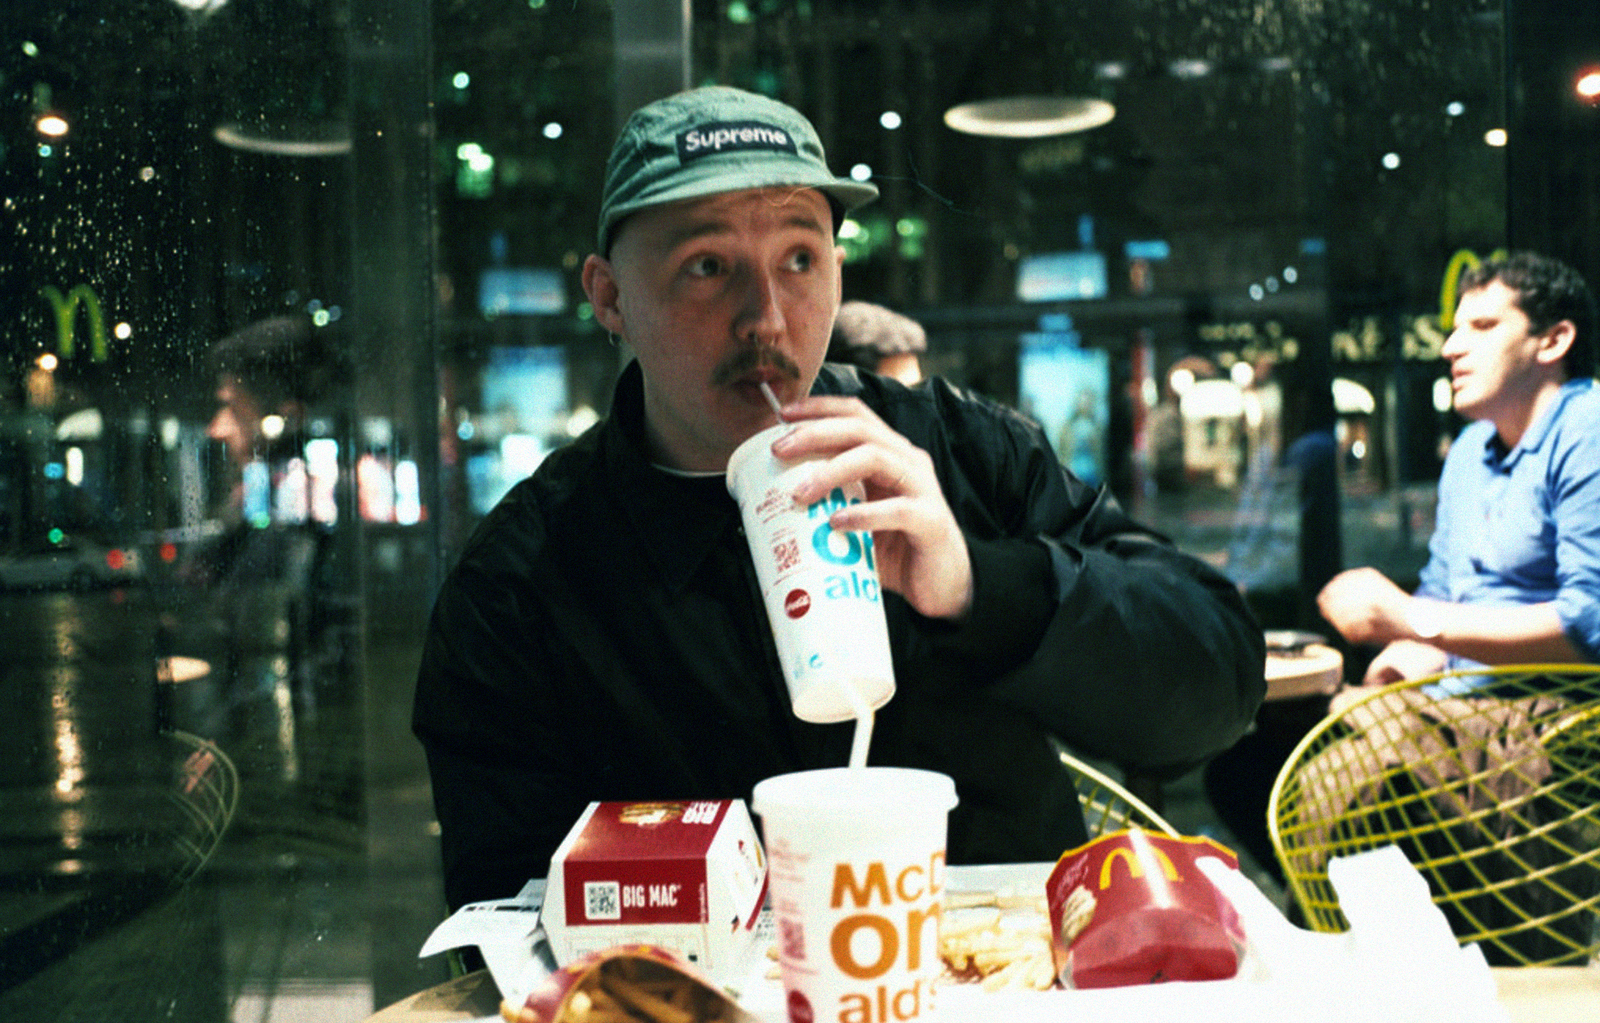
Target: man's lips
[(751, 367)]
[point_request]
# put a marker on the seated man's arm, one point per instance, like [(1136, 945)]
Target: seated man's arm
[(1525, 634), (499, 823)]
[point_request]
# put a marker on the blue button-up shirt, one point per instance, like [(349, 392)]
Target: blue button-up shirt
[(1523, 526)]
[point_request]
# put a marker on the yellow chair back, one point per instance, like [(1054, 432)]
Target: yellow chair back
[(1493, 794), (1107, 805), (205, 792)]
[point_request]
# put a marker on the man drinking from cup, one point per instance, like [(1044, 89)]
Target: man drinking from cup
[(603, 636)]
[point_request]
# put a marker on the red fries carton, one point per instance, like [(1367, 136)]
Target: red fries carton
[(1132, 907), (685, 876)]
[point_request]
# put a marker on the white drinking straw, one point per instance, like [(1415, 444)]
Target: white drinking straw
[(772, 399), (863, 736)]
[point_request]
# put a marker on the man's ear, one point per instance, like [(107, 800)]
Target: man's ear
[(1556, 342), (600, 284)]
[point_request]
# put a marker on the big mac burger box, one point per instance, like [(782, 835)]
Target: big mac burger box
[(686, 876)]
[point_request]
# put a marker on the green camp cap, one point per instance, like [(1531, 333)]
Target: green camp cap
[(712, 140)]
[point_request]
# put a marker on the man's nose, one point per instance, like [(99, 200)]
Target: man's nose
[(1453, 346), (761, 310)]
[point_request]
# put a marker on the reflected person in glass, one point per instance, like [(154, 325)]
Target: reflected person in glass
[(255, 602)]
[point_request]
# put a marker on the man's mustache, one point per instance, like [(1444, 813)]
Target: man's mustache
[(745, 361)]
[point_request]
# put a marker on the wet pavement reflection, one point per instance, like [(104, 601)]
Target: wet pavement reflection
[(115, 903)]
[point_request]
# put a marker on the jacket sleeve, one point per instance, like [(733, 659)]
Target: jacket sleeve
[(500, 757), (1114, 640)]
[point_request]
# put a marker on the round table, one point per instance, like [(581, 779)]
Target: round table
[(1315, 669)]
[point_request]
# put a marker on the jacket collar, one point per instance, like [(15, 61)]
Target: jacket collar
[(680, 519)]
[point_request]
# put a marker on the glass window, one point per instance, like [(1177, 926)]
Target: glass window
[(293, 298)]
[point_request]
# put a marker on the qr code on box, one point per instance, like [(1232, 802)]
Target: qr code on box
[(602, 900)]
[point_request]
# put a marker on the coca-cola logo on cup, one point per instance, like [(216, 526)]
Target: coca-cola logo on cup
[(797, 603)]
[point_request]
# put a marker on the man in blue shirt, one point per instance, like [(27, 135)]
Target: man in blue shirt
[(1513, 575)]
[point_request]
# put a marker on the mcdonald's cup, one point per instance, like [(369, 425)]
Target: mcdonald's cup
[(820, 586), (855, 865)]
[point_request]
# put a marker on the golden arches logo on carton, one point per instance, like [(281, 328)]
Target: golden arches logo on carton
[(66, 310), (1136, 864)]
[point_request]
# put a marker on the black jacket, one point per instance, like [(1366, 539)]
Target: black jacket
[(603, 637)]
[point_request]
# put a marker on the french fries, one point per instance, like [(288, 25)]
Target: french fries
[(1004, 944)]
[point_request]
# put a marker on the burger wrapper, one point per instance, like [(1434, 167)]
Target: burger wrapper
[(630, 982)]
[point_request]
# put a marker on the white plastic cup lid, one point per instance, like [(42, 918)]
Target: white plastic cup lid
[(849, 792)]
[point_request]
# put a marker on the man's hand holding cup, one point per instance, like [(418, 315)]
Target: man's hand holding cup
[(921, 551)]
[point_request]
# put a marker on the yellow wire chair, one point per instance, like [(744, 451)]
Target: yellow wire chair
[(1493, 794), (1107, 805), (205, 793)]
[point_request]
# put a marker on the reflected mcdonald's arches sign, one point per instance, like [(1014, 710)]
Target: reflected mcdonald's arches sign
[(66, 310), (1449, 290)]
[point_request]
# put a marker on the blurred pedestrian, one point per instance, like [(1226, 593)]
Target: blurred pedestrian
[(878, 339)]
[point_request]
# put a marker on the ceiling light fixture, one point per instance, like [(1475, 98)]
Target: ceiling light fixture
[(1029, 117)]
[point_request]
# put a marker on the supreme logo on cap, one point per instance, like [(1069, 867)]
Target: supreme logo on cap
[(731, 136)]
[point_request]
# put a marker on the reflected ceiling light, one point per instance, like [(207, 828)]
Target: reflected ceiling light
[(1029, 117), (1189, 68), (52, 125), (202, 6), (890, 120), (285, 139), (1495, 137), (1455, 108), (1587, 85)]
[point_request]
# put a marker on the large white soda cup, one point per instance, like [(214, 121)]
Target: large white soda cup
[(820, 586), (855, 867)]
